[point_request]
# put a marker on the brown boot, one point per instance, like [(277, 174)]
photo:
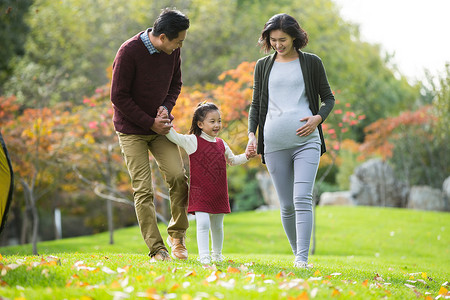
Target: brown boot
[(178, 247), (161, 255)]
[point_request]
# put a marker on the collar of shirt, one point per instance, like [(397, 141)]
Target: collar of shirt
[(207, 137), (146, 40)]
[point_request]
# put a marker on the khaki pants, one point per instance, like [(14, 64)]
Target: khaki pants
[(135, 150)]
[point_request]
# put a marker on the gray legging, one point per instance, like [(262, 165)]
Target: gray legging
[(293, 172)]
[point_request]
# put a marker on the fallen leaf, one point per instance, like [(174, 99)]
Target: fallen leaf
[(211, 278), (315, 278), (160, 279), (280, 274), (243, 268), (115, 285), (365, 282), (442, 291), (108, 270), (418, 294), (303, 296), (317, 273), (190, 273), (335, 293), (410, 286), (3, 283), (45, 272), (378, 278), (232, 270)]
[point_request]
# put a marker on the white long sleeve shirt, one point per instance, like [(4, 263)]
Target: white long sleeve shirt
[(189, 143)]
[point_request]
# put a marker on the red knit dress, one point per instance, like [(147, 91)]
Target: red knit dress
[(208, 191)]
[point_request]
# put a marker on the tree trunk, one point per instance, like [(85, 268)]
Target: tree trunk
[(109, 210), (30, 204), (34, 238)]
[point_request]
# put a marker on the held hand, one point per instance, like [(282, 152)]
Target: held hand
[(311, 124), (162, 112), (250, 151), (161, 125)]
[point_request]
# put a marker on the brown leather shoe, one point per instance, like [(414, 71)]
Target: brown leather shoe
[(161, 255), (178, 247)]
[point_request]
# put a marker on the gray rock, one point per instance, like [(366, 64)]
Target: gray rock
[(375, 184), (267, 189), (426, 198), (336, 198), (446, 190)]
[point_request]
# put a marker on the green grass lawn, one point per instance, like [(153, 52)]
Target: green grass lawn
[(361, 253)]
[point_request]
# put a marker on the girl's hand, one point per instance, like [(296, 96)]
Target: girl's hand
[(311, 124), (162, 113)]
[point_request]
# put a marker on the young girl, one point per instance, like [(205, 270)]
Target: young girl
[(208, 189)]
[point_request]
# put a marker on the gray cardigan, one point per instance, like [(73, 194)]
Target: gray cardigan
[(316, 84)]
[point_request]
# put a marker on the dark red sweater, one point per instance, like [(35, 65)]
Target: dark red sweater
[(142, 82)]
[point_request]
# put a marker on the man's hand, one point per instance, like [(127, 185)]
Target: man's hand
[(161, 125)]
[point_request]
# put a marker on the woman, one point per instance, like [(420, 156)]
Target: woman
[(287, 113)]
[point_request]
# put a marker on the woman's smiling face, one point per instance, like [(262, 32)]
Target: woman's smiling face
[(283, 43)]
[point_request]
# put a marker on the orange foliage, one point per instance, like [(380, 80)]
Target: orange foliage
[(8, 108), (233, 98), (32, 137), (381, 135)]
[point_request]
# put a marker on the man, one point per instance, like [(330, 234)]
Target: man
[(145, 85)]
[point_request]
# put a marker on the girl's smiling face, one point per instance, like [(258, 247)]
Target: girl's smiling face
[(212, 123)]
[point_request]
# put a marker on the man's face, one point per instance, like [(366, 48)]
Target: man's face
[(168, 46)]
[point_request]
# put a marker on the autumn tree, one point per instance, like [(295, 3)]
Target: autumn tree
[(35, 139), (409, 143)]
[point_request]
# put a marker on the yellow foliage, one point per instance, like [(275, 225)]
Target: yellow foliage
[(89, 138)]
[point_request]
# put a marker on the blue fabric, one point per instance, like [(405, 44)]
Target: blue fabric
[(146, 40)]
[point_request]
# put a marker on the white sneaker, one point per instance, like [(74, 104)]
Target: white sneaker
[(218, 258), (302, 265), (205, 259)]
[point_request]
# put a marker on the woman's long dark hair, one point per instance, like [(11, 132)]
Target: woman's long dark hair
[(287, 24), (199, 116)]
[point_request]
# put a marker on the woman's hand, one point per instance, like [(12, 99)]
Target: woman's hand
[(250, 151), (311, 124)]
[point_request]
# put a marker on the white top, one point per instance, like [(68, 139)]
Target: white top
[(189, 143), (288, 104)]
